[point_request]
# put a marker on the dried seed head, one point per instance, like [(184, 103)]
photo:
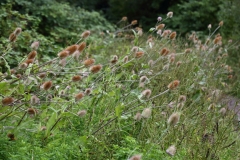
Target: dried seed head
[(76, 78), (173, 35), (171, 150), (46, 85), (95, 68), (63, 62), (17, 31), (63, 54), (12, 37), (209, 26), (32, 55), (182, 99), (174, 119), (223, 111), (124, 19), (136, 157), (138, 116), (125, 59), (18, 75), (171, 58), (88, 62), (71, 49), (221, 23), (174, 84), (139, 54), (143, 79), (35, 45), (42, 75), (134, 22), (43, 128), (114, 59), (35, 100), (88, 91), (23, 65), (29, 61), (169, 14), (82, 46), (11, 136), (146, 113), (85, 34), (160, 26), (79, 96), (217, 40), (31, 111), (146, 93), (12, 71), (151, 63), (178, 63), (82, 113), (135, 49), (164, 52), (7, 101), (188, 50)]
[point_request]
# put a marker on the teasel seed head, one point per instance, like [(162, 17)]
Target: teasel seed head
[(169, 14), (7, 101), (29, 61), (35, 45), (82, 46), (34, 100), (124, 18), (125, 59), (46, 85), (174, 84), (88, 62), (143, 79), (174, 119), (63, 54), (136, 157), (146, 93), (95, 68), (138, 116), (139, 54), (32, 55), (88, 91), (134, 22), (171, 150), (164, 52), (76, 78), (12, 37), (221, 23), (146, 113), (82, 113), (85, 34), (42, 75), (173, 35), (114, 59), (63, 62), (178, 63), (223, 111), (182, 99), (17, 31), (71, 49), (79, 96), (31, 111), (23, 65), (160, 26), (209, 26), (11, 136)]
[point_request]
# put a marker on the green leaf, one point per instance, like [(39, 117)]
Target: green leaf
[(118, 110), (50, 123), (3, 87)]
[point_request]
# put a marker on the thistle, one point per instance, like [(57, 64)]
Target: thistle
[(95, 68), (146, 113), (174, 84), (7, 101), (174, 119)]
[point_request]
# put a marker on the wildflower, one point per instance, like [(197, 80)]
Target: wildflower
[(173, 35), (138, 116), (12, 37), (174, 84), (29, 61), (82, 113), (146, 113), (134, 22), (88, 62), (169, 14), (71, 49), (171, 150), (63, 54), (82, 46), (174, 119), (146, 93), (32, 55), (76, 78), (46, 85), (79, 96), (85, 34), (35, 45), (95, 68), (136, 157), (7, 101), (17, 31), (124, 18), (160, 26), (221, 23), (159, 18), (139, 54)]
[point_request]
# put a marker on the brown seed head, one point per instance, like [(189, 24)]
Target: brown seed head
[(88, 62), (76, 78), (88, 91), (95, 68), (134, 22), (46, 85), (182, 99), (35, 45), (217, 40), (160, 26), (82, 113), (85, 34), (34, 99), (71, 49), (146, 113), (136, 157), (17, 31), (79, 96), (125, 59), (12, 37), (146, 93), (174, 84), (174, 119), (23, 65), (11, 136), (42, 75), (143, 79), (32, 55), (31, 111), (63, 54), (138, 116), (82, 46), (139, 54), (124, 18), (29, 61), (171, 150), (169, 14), (7, 101), (173, 35), (164, 52), (221, 23)]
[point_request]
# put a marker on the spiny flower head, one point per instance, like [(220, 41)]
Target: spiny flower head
[(7, 101), (46, 85), (35, 45), (164, 52), (82, 46), (79, 96), (124, 18), (143, 79), (63, 54), (173, 35), (95, 68), (71, 49), (76, 78), (12, 37), (138, 116), (174, 119), (160, 26), (134, 22), (182, 98), (146, 113), (85, 34), (31, 111), (221, 23), (169, 14), (32, 55), (88, 62), (88, 91), (174, 84), (146, 93), (171, 150), (136, 157), (17, 31), (139, 54)]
